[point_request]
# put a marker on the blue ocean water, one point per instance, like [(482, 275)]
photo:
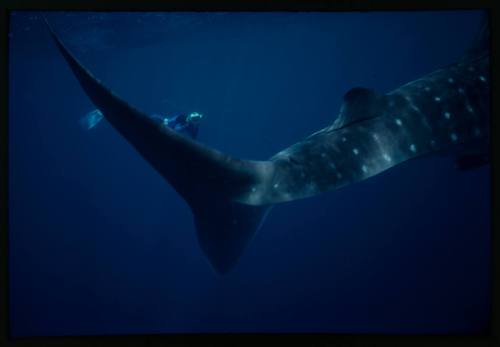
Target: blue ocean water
[(99, 243)]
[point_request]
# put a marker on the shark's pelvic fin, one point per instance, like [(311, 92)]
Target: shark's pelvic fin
[(471, 161), (206, 178)]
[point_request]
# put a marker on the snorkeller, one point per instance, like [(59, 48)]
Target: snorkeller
[(187, 124), (182, 123)]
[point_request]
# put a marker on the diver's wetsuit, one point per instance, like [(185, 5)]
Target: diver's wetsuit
[(179, 123)]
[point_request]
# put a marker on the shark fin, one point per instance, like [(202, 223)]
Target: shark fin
[(225, 228), (209, 181), (472, 156), (359, 104), (481, 43), (471, 161)]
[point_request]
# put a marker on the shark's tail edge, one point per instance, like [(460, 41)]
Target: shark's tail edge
[(207, 179), (224, 229)]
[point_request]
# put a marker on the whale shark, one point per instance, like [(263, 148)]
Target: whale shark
[(445, 112)]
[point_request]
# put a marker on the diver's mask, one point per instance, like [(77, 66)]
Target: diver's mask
[(194, 117)]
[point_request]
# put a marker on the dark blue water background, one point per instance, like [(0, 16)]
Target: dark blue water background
[(101, 244)]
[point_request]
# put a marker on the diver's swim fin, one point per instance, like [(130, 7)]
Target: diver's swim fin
[(91, 119), (210, 181)]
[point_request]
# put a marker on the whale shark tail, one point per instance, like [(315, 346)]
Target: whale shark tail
[(208, 180), (225, 228)]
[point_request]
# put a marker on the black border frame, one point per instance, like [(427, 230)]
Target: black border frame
[(490, 339)]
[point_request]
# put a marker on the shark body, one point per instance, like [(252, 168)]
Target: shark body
[(446, 111)]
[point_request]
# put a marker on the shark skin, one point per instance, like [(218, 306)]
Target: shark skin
[(446, 111)]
